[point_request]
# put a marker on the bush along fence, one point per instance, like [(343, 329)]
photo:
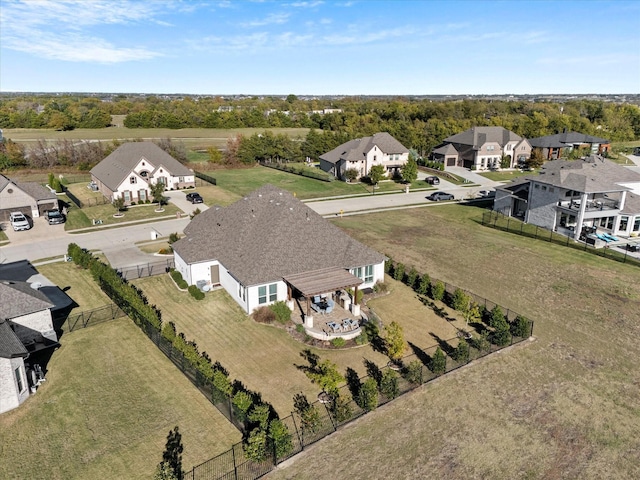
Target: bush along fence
[(301, 170), (506, 223), (205, 177), (256, 419)]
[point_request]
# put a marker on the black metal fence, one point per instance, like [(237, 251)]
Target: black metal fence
[(146, 269), (205, 177), (506, 223), (92, 317)]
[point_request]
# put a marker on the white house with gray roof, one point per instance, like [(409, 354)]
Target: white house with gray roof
[(363, 153), (131, 169), (264, 247), (25, 326), (569, 195), (482, 148)]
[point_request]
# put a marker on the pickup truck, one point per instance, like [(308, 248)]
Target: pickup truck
[(54, 217)]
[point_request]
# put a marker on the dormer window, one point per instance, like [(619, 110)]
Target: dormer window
[(144, 174)]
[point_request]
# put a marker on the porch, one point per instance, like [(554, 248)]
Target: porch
[(340, 322)]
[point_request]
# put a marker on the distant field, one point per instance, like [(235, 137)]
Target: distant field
[(564, 406), (192, 138)]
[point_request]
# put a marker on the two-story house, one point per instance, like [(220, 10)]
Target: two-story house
[(483, 148), (131, 169), (363, 153), (568, 196)]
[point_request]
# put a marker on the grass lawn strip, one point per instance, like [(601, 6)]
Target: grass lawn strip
[(565, 407), (104, 412)]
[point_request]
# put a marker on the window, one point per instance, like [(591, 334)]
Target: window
[(142, 195), (19, 380), (509, 146), (357, 272), (536, 186), (624, 223), (490, 147), (241, 291), (181, 179), (127, 196), (636, 225), (133, 179), (144, 174), (375, 157), (368, 273), (552, 189), (273, 293), (610, 222), (544, 188)]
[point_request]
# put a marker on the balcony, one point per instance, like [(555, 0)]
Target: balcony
[(599, 204)]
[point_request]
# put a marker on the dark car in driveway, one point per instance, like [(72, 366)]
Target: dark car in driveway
[(55, 217), (432, 180), (194, 197), (437, 196)]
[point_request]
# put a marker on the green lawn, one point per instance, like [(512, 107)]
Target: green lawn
[(506, 176), (81, 218), (264, 357), (108, 403), (564, 406)]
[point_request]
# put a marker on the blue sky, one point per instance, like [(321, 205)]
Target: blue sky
[(320, 47)]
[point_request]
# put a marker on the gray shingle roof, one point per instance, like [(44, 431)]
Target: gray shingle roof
[(18, 298), (356, 149), (593, 174), (268, 235), (114, 169), (477, 136), (447, 149), (33, 189), (10, 345), (564, 139), (4, 181)]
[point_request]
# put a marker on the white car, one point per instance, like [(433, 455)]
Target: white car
[(19, 221)]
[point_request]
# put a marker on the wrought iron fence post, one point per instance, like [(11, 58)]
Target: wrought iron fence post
[(235, 465), (295, 426)]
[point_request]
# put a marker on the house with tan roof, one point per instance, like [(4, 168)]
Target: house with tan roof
[(570, 196), (30, 198), (363, 153), (130, 170), (483, 148), (268, 247)]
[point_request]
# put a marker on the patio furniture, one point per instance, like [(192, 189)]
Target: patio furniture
[(316, 299), (334, 326), (330, 304)]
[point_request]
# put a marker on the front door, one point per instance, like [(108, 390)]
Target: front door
[(215, 274)]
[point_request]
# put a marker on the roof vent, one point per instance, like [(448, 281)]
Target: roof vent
[(36, 285)]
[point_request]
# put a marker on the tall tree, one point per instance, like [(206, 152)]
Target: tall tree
[(376, 174), (172, 456), (409, 170)]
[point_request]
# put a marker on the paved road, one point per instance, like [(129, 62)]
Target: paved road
[(118, 244)]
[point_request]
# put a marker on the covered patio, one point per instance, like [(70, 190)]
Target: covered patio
[(322, 294)]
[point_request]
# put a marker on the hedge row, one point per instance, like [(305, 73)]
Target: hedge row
[(248, 407)]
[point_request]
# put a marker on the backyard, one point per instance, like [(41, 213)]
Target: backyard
[(566, 406), (105, 409)]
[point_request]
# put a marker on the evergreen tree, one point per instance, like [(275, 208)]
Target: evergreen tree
[(172, 456)]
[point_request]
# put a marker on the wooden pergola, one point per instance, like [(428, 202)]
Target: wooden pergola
[(321, 281)]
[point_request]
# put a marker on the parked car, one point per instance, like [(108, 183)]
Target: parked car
[(194, 197), (19, 221), (55, 217), (437, 196), (487, 193), (633, 247), (432, 180)]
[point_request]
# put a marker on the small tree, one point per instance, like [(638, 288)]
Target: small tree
[(461, 353), (341, 409), (309, 414), (472, 314), (409, 170), (255, 448), (425, 283), (351, 174), (389, 384), (438, 362), (241, 402), (536, 159), (437, 290), (413, 372), (376, 173), (394, 341), (398, 272), (496, 317), (172, 456), (157, 191), (368, 395), (460, 301), (412, 276), (520, 327), (280, 438), (215, 155), (118, 204), (505, 161), (173, 237), (501, 335)]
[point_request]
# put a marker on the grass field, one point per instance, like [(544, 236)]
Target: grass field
[(264, 357), (108, 403), (506, 176), (564, 406), (192, 138)]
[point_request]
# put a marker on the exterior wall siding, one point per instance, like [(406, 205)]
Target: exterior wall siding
[(10, 397), (32, 326), (542, 206)]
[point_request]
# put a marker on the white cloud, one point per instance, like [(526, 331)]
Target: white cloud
[(271, 19), (305, 4), (62, 29)]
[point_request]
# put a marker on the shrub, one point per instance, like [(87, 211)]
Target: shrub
[(255, 448), (520, 327), (338, 342), (195, 292), (380, 287), (389, 384), (173, 237), (341, 409), (394, 341), (437, 290), (425, 283), (412, 276), (388, 266), (461, 353), (300, 328), (438, 362), (413, 372), (359, 296), (281, 311), (481, 343), (398, 272), (501, 336), (280, 438), (460, 300), (133, 203), (169, 331), (164, 251), (309, 414), (368, 395), (177, 277), (241, 402), (362, 339), (264, 315)]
